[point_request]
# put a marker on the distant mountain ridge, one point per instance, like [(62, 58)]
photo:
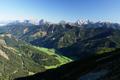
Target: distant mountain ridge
[(81, 37)]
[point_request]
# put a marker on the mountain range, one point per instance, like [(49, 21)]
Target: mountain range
[(70, 39), (27, 48)]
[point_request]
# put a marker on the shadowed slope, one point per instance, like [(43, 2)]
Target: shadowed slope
[(79, 69)]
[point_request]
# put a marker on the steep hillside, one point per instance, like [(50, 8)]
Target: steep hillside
[(19, 59), (75, 40), (96, 67)]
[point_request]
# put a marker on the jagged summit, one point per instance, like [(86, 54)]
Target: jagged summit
[(82, 22)]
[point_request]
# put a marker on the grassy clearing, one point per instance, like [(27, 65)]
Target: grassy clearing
[(62, 59)]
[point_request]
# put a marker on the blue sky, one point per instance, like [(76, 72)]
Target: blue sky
[(56, 10)]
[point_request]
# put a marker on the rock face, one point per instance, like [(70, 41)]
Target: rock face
[(3, 54), (2, 42)]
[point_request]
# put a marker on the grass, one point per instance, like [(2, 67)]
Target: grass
[(51, 67), (62, 59), (104, 50)]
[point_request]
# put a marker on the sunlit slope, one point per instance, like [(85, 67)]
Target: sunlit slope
[(20, 59)]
